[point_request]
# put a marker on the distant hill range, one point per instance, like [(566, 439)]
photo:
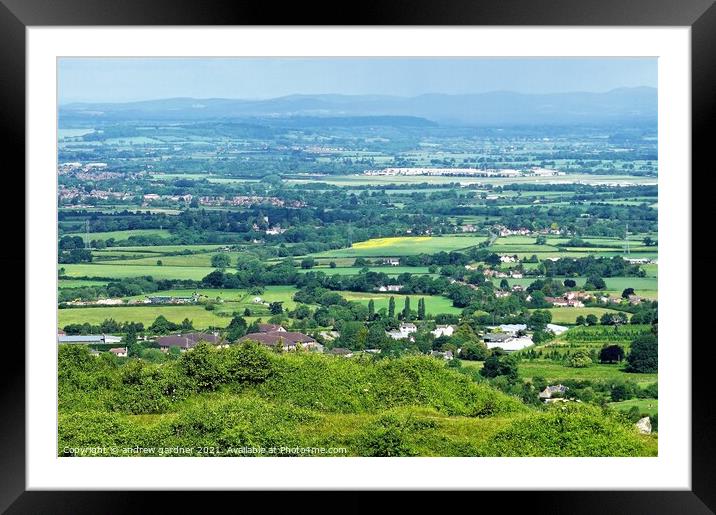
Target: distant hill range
[(633, 106)]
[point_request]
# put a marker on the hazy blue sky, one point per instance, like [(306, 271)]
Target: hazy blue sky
[(127, 79)]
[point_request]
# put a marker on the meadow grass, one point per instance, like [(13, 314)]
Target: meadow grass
[(556, 372), (434, 304), (115, 271), (122, 235), (78, 283), (648, 406), (200, 317), (201, 260), (569, 315)]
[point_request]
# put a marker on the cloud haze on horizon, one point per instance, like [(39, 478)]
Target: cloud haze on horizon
[(132, 79)]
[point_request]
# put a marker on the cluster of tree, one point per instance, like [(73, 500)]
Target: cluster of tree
[(71, 249), (589, 266), (108, 326), (123, 288)]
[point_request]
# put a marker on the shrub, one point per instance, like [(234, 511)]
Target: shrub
[(569, 429), (247, 362), (202, 364), (579, 359), (388, 436)]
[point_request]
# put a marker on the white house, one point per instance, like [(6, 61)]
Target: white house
[(391, 287), (508, 259), (404, 331), (443, 330), (512, 328)]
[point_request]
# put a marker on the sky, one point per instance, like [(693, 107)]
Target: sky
[(132, 79)]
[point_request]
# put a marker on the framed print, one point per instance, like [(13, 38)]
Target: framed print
[(422, 250)]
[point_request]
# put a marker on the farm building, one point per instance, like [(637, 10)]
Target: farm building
[(160, 299), (511, 329), (120, 352), (563, 302), (447, 355), (507, 342), (89, 339), (188, 341), (287, 339), (497, 337)]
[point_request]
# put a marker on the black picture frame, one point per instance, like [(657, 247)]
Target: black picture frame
[(17, 15)]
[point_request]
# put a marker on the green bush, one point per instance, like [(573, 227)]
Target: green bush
[(226, 422), (569, 429), (203, 365), (362, 386), (387, 436), (246, 363)]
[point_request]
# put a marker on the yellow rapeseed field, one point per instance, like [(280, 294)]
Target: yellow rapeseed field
[(386, 242)]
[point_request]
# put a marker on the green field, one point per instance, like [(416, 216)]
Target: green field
[(164, 248), (405, 246), (201, 318), (642, 285), (122, 235), (194, 260), (233, 300), (569, 315), (556, 372), (119, 272), (434, 304), (79, 283), (210, 293), (648, 406)]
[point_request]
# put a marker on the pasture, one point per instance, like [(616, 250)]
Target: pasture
[(642, 285), (648, 406), (231, 301), (195, 260), (555, 372), (121, 235), (165, 248), (569, 315), (201, 318), (78, 283), (112, 270), (434, 304)]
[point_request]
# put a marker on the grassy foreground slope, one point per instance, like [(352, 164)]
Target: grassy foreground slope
[(218, 402)]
